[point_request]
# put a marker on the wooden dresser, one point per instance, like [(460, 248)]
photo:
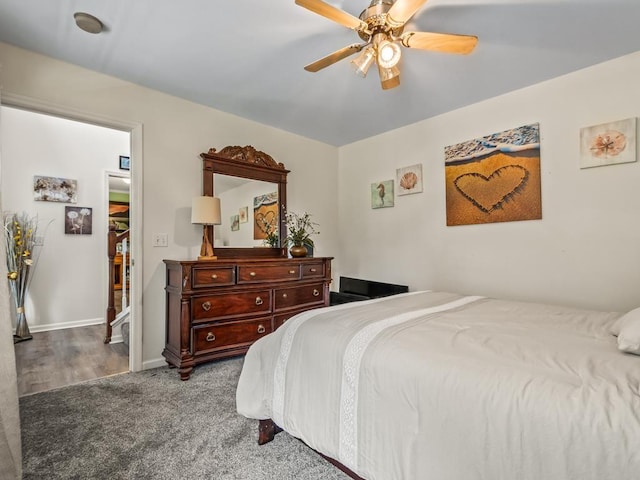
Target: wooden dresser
[(217, 309)]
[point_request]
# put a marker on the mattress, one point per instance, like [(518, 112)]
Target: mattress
[(436, 385)]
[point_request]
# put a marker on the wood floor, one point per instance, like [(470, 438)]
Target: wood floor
[(63, 357)]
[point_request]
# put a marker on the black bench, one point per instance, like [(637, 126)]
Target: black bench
[(355, 289)]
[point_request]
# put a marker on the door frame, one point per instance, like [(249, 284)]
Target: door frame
[(135, 204)]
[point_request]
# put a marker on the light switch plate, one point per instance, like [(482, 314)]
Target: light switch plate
[(160, 240)]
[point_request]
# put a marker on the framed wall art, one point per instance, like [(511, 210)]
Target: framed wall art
[(382, 194), (235, 223), (55, 189), (608, 144), (265, 215), (243, 213), (78, 221), (125, 163), (409, 179), (495, 178)]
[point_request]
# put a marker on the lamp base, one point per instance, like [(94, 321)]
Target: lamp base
[(206, 250)]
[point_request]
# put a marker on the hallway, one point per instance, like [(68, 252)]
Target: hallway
[(58, 358)]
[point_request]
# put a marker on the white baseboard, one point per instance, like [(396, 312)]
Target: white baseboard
[(60, 326), (155, 363), (116, 339)]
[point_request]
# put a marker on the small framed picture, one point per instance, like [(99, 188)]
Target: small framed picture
[(235, 223), (382, 194), (244, 214), (77, 221), (124, 163), (409, 179)]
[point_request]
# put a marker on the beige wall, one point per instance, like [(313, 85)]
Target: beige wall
[(69, 284), (175, 132), (586, 249)]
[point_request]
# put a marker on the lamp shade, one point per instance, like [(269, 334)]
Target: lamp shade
[(363, 61), (389, 54), (205, 210)]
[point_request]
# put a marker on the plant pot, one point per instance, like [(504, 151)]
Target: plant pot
[(298, 251), (22, 327)]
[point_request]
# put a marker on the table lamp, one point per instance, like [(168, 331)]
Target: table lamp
[(205, 211)]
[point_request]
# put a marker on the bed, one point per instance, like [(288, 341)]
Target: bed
[(436, 385)]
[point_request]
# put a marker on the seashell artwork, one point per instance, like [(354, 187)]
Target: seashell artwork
[(409, 179), (608, 144)]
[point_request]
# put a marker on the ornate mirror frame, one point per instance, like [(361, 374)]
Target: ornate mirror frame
[(247, 162)]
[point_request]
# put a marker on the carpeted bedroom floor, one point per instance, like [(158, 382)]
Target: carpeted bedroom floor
[(151, 425)]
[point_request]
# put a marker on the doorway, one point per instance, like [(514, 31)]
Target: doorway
[(119, 255), (60, 310)]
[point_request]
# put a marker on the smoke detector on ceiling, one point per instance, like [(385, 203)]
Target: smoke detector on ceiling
[(87, 22)]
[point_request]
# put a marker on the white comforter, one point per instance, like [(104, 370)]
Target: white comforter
[(435, 386)]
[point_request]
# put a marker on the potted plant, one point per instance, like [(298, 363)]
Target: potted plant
[(299, 231), (20, 234), (271, 239)]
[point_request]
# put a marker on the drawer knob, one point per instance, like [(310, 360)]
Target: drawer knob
[(313, 270), (284, 295), (252, 274), (259, 301), (210, 337), (206, 306), (214, 276), (261, 329), (292, 272), (315, 292)]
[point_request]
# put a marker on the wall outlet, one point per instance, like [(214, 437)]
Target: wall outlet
[(160, 240)]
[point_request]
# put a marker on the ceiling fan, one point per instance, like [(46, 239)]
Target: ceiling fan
[(381, 27)]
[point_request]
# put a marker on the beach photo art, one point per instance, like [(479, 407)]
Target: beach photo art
[(608, 144), (495, 178), (265, 215), (382, 194)]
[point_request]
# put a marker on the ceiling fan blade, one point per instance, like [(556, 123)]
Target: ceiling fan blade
[(334, 57), (402, 11), (440, 42), (333, 13)]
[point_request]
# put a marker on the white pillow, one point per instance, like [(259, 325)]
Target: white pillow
[(628, 328)]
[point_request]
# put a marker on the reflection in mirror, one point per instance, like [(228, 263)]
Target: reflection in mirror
[(249, 211)]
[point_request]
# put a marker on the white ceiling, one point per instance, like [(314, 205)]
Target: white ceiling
[(246, 57)]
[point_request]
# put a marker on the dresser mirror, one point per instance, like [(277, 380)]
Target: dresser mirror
[(252, 191)]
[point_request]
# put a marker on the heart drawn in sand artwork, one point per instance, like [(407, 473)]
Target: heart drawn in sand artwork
[(490, 193), (265, 220)]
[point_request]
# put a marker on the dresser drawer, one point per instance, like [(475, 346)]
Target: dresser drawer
[(213, 276), (229, 334), (310, 270), (298, 296), (230, 305), (281, 318), (268, 273)]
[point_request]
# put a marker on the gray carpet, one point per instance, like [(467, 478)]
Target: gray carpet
[(150, 425)]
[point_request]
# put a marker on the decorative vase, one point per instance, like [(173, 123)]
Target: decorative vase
[(298, 251), (22, 327)]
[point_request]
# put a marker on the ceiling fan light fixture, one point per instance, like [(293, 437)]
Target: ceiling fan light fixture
[(389, 77), (389, 54), (363, 61)]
